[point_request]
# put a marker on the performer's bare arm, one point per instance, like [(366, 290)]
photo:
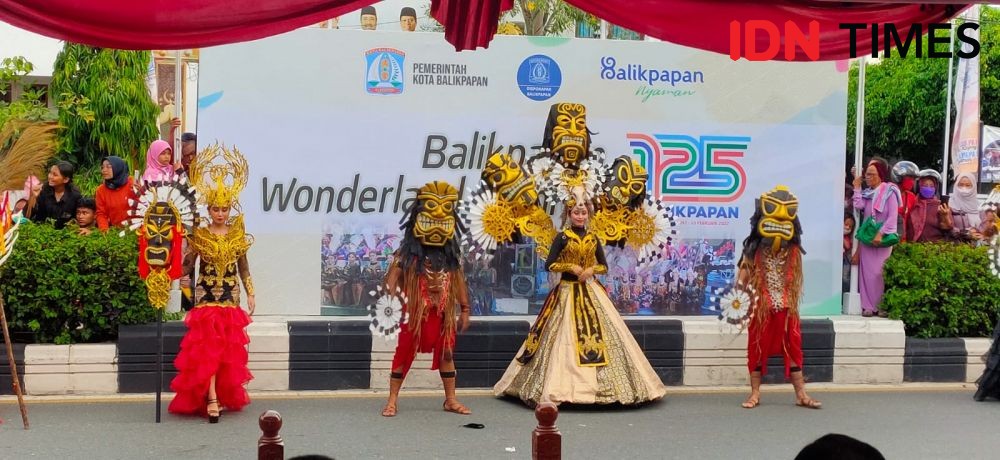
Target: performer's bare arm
[(462, 299), (742, 276), (187, 269), (392, 276)]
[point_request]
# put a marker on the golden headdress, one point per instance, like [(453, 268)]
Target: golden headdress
[(220, 173)]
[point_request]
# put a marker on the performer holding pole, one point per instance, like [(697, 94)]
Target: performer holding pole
[(26, 155), (164, 213), (8, 236)]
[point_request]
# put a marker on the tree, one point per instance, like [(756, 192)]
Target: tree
[(549, 17), (541, 17), (905, 97), (904, 110), (104, 105)]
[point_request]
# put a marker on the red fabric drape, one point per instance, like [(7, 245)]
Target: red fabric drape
[(169, 24), (703, 24), (469, 24)]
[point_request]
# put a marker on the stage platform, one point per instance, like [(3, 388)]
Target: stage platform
[(339, 353)]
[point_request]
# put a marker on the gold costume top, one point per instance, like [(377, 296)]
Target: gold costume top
[(223, 259), (575, 246)]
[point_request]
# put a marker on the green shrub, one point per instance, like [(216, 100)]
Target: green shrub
[(941, 290), (64, 288)]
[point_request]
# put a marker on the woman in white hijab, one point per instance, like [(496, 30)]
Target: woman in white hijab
[(965, 210)]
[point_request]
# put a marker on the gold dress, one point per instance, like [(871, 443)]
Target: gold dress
[(579, 350), (216, 340)]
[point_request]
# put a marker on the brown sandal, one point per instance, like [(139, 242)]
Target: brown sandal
[(751, 402), (809, 403), (213, 415), (389, 410), (456, 407)]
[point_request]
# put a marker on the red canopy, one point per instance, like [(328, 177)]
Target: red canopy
[(469, 24), (704, 24)]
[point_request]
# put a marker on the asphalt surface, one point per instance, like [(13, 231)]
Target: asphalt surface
[(901, 424)]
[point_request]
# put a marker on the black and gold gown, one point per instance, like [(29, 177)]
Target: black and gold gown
[(989, 383), (216, 340), (579, 350)]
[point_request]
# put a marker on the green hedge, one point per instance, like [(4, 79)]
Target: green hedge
[(63, 288), (941, 290)]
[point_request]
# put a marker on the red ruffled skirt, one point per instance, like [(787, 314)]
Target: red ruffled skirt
[(215, 344)]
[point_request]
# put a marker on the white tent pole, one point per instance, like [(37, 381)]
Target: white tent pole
[(947, 114), (852, 299)]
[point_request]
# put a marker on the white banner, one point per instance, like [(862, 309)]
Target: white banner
[(341, 126), (965, 139)]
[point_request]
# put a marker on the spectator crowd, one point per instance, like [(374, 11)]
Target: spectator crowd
[(905, 204)]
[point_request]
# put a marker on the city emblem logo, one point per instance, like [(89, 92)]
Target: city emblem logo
[(539, 77), (385, 71)]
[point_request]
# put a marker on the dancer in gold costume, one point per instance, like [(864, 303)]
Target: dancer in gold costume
[(212, 363)]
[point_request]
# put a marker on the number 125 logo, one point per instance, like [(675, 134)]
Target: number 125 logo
[(688, 169)]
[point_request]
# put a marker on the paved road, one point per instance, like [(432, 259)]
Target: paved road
[(902, 424)]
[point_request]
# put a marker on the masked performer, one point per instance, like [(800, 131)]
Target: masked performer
[(579, 350), (427, 270), (989, 383), (771, 267), (212, 363)]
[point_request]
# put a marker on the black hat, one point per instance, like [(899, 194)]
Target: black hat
[(407, 12), (368, 10)]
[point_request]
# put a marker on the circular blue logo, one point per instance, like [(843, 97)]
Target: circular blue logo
[(539, 77)]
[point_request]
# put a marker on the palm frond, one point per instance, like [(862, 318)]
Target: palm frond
[(28, 152)]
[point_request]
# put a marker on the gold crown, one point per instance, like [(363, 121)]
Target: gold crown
[(220, 173)]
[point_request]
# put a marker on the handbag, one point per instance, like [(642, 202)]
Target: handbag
[(869, 228)]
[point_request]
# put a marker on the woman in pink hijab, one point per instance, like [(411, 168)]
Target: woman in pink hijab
[(30, 184), (159, 162)]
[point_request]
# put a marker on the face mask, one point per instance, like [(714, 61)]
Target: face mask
[(964, 191), (847, 231), (927, 192)]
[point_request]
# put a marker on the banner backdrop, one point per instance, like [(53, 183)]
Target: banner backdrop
[(965, 140), (340, 127)]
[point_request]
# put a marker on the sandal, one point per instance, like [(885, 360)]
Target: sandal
[(809, 403), (389, 410), (751, 402), (213, 415), (456, 407)]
